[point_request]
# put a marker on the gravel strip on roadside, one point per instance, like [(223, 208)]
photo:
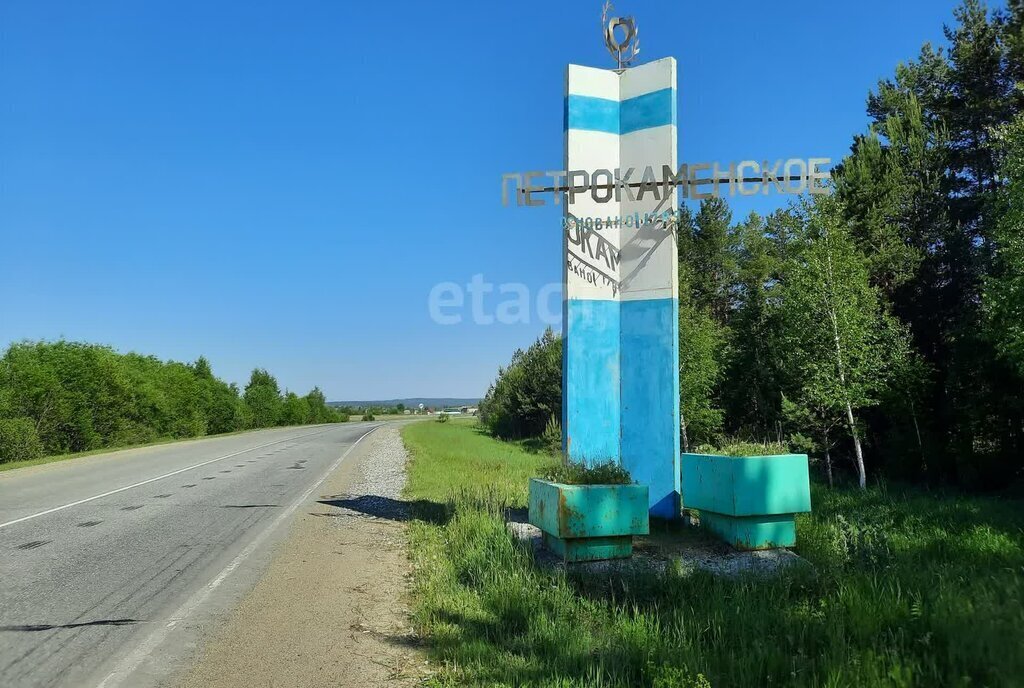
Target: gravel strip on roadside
[(377, 490)]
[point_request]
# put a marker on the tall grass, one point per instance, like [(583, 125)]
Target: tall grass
[(908, 589)]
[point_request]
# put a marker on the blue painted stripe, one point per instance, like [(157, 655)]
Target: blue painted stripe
[(590, 393), (592, 114), (588, 113), (655, 109)]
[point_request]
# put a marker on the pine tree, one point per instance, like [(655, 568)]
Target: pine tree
[(708, 253), (751, 389), (1004, 297)]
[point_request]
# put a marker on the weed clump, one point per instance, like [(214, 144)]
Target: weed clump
[(736, 448), (571, 473)]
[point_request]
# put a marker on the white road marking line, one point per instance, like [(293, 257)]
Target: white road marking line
[(132, 661), (151, 480)]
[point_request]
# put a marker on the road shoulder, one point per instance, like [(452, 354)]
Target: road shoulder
[(331, 607)]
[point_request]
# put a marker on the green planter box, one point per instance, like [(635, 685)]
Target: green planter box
[(748, 501), (589, 522)]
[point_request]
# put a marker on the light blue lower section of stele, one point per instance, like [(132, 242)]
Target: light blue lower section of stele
[(649, 362), (590, 374), (621, 391)]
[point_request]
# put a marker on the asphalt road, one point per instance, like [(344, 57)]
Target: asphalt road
[(111, 566)]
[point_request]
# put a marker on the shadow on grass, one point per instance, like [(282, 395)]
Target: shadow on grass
[(913, 510), (392, 509), (516, 514), (500, 651)]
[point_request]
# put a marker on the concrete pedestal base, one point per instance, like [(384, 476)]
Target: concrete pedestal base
[(589, 522), (748, 501), (590, 549), (752, 532)]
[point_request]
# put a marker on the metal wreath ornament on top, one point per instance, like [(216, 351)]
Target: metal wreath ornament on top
[(626, 50)]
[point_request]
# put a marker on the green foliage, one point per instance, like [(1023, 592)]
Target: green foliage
[(319, 411), (19, 440), (551, 438), (700, 353), (908, 588), (368, 416), (924, 196), (263, 397), (527, 392), (753, 377), (675, 677), (442, 417), (840, 345), (78, 397), (295, 410), (741, 448), (880, 328), (709, 251), (572, 473), (1004, 294)]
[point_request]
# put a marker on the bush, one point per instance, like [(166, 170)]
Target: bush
[(552, 437), (737, 448), (368, 416), (571, 473), (129, 432), (527, 392), (77, 397), (19, 440), (443, 418)]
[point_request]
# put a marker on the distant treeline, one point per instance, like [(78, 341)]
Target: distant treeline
[(60, 397), (880, 328), (373, 410)]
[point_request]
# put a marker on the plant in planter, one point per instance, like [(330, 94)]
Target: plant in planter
[(589, 513), (749, 494)]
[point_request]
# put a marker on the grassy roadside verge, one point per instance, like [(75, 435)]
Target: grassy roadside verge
[(12, 465), (909, 590)]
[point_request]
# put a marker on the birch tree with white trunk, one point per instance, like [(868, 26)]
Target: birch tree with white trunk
[(840, 343)]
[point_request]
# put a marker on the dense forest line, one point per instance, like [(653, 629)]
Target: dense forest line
[(880, 328), (61, 397)]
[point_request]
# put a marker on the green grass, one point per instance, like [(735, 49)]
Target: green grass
[(457, 457), (908, 589)]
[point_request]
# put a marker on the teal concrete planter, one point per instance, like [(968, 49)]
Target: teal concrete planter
[(589, 522), (748, 501)]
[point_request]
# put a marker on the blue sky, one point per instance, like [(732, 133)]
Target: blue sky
[(281, 184)]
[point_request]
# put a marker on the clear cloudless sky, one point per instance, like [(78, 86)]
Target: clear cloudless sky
[(280, 184)]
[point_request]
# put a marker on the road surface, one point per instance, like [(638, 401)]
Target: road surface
[(113, 566)]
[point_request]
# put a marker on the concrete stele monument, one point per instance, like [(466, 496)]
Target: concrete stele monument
[(620, 291)]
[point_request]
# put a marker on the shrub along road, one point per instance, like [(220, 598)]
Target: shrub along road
[(112, 565)]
